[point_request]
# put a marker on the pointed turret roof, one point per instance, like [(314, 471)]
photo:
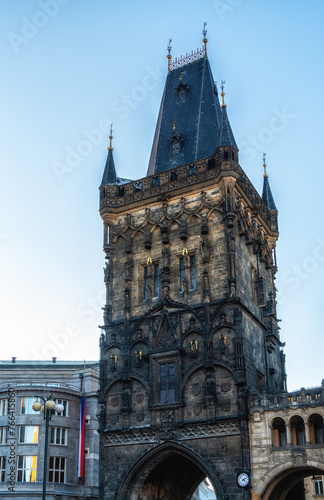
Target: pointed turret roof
[(109, 175), (226, 137), (266, 192), (189, 101)]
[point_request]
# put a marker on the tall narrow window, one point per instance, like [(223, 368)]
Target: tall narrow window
[(193, 283), (3, 407), (146, 283), (3, 435), (182, 274), (156, 280), (2, 469), (167, 383)]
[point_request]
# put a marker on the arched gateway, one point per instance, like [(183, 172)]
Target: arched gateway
[(169, 471)]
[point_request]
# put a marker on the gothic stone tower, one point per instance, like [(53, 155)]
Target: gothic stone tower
[(190, 328)]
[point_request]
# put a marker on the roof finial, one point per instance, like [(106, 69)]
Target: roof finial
[(110, 139), (204, 32), (265, 176), (169, 57), (173, 126), (223, 93), (180, 76)]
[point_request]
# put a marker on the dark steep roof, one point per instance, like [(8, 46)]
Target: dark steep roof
[(267, 194), (226, 137), (109, 175), (196, 119)]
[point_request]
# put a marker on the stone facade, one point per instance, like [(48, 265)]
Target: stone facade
[(23, 431), (217, 334), (287, 443)]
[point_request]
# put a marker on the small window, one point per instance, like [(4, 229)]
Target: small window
[(192, 169), (2, 469), (182, 94), (174, 175), (138, 186), (121, 191), (26, 471), (226, 157), (318, 486), (175, 148), (28, 434), (211, 164), (58, 435), (156, 181), (56, 471)]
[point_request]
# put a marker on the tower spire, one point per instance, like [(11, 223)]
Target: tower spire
[(109, 175), (266, 192), (204, 32)]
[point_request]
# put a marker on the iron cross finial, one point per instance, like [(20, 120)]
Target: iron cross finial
[(110, 137), (204, 31)]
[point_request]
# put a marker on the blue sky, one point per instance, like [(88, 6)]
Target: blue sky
[(69, 68)]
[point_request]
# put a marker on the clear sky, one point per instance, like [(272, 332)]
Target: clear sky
[(69, 67)]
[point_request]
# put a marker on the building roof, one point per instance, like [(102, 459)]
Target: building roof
[(58, 363), (267, 194), (226, 137), (191, 109)]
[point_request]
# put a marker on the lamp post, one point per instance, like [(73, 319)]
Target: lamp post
[(49, 405)]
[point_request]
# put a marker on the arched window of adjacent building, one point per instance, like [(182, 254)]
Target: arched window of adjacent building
[(316, 429), (279, 432), (297, 431)]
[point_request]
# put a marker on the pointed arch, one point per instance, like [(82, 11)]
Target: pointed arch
[(186, 467)]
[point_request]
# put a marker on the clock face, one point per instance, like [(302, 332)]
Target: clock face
[(243, 479)]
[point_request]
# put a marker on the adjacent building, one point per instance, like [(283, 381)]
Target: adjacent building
[(22, 431)]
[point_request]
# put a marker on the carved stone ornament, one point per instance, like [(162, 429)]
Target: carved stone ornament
[(140, 416), (114, 400), (298, 458), (139, 398), (197, 410), (196, 389), (225, 386)]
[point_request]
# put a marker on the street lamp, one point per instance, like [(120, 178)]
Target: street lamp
[(46, 409)]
